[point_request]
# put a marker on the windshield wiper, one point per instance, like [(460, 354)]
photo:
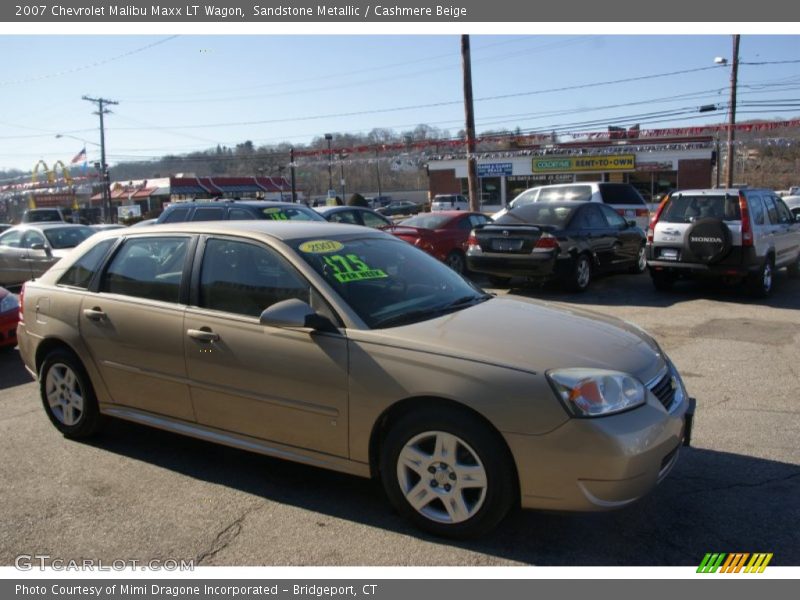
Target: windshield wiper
[(428, 313)]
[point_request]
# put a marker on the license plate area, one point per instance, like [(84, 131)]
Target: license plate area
[(506, 245), (669, 254)]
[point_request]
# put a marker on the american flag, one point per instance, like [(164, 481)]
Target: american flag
[(80, 156)]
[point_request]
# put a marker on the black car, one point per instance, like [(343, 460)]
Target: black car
[(237, 210), (355, 215), (570, 241), (400, 207)]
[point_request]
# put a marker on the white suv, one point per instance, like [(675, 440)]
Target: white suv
[(449, 202), (622, 197), (736, 234)]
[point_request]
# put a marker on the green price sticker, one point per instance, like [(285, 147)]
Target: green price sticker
[(349, 267)]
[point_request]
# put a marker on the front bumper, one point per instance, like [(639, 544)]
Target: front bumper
[(601, 463), (8, 330)]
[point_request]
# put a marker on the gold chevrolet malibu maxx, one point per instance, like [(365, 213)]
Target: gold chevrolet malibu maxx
[(345, 348)]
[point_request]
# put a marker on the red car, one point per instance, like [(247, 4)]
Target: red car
[(9, 317), (441, 234)]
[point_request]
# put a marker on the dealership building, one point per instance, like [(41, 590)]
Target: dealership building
[(653, 166)]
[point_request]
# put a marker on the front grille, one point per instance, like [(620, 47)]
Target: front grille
[(664, 389)]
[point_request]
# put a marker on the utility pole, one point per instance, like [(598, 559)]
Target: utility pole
[(732, 122), (294, 183), (472, 166), (106, 191), (378, 171)]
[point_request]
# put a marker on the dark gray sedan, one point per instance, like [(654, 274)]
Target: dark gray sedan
[(354, 215), (27, 251)]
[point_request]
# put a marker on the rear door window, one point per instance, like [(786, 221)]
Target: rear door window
[(209, 213), (148, 267), (177, 215)]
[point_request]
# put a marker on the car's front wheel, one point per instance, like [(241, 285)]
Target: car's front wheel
[(68, 396), (641, 261), (447, 472)]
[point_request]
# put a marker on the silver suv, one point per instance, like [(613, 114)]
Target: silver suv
[(622, 197), (736, 234)]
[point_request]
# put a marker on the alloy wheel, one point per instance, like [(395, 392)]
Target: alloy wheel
[(64, 394), (442, 477)]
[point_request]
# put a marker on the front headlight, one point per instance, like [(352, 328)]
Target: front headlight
[(596, 392), (9, 303)]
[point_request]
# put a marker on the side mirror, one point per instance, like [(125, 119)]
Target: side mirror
[(630, 223), (41, 248), (294, 313)]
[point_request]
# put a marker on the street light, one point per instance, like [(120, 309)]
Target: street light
[(329, 137)]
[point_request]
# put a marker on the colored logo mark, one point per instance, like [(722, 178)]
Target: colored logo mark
[(735, 562)]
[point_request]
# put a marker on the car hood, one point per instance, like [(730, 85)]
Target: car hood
[(534, 336)]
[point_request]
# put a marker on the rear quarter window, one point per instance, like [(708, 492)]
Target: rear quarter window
[(620, 193), (80, 274)]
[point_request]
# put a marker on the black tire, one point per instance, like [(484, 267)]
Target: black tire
[(61, 378), (478, 450), (662, 280), (580, 276), (498, 281), (640, 266), (760, 284), (456, 261)]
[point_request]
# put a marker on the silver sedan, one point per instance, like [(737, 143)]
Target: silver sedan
[(27, 251)]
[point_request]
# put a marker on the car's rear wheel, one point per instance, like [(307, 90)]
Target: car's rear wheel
[(68, 396), (447, 472), (498, 281), (662, 280), (581, 275), (794, 268), (760, 283), (455, 260)]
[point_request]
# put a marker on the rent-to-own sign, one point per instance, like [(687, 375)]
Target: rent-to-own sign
[(616, 162)]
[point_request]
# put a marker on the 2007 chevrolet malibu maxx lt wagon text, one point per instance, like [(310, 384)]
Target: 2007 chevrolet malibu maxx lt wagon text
[(345, 348)]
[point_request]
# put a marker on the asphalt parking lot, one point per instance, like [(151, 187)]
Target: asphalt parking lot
[(136, 493)]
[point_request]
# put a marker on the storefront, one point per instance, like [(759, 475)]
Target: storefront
[(654, 167)]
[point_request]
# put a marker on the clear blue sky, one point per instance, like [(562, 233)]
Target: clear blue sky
[(190, 92)]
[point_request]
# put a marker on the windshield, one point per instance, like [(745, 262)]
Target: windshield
[(67, 237), (426, 221), (387, 281), (570, 193), (290, 213), (526, 197), (538, 214)]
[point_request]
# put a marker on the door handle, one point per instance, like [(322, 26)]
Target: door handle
[(203, 335), (94, 314)]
